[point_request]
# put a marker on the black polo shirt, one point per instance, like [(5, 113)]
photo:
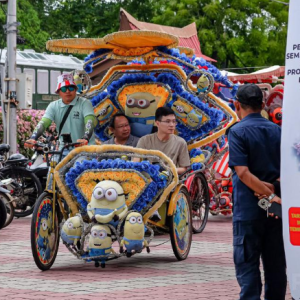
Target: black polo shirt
[(253, 142)]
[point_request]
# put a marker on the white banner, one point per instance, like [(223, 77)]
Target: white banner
[(290, 151)]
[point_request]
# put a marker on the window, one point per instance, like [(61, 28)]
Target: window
[(42, 82), (41, 56), (53, 80), (33, 56), (25, 55), (31, 72)]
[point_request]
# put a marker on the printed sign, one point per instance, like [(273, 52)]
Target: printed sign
[(290, 151)]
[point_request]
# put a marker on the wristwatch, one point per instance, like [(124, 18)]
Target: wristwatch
[(271, 197)]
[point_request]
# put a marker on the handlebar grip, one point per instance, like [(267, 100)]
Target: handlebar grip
[(80, 144)]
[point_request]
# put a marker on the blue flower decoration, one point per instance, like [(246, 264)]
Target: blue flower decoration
[(145, 198)]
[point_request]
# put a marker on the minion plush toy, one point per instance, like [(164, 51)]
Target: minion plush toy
[(100, 244), (134, 234), (108, 203), (72, 230), (202, 84)]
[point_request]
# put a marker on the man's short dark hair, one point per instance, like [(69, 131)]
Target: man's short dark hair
[(112, 120), (163, 112)]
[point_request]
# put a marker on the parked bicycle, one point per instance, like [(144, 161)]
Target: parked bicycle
[(25, 186)]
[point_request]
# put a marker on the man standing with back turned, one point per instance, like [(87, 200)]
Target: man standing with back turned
[(254, 156)]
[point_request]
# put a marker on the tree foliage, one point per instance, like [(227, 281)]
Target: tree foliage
[(237, 33), (31, 28)]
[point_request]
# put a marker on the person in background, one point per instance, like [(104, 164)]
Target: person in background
[(119, 126), (254, 156)]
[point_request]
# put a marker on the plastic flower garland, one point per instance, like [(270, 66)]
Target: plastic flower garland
[(201, 63), (197, 157), (132, 183), (155, 186), (89, 67), (215, 115)]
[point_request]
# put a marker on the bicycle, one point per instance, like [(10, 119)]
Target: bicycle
[(220, 187), (25, 186)]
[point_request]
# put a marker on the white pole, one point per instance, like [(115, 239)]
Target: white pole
[(11, 80)]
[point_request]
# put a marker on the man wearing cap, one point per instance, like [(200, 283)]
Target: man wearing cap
[(254, 156), (77, 112)]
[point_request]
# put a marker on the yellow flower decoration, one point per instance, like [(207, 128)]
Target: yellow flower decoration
[(131, 182), (198, 159)]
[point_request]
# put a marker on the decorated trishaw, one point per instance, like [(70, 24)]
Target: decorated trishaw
[(102, 197)]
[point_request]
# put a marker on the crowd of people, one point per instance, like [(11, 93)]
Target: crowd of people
[(254, 156)]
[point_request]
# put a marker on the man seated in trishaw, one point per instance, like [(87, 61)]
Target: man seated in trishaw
[(112, 190)]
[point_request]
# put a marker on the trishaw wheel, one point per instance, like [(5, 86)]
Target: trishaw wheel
[(199, 194), (44, 232), (180, 225)]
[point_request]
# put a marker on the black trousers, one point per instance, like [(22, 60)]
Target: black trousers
[(253, 240)]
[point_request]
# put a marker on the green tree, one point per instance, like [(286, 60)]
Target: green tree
[(237, 33), (30, 28)]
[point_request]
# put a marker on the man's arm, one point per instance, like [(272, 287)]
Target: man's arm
[(183, 159), (90, 123), (38, 131), (252, 182), (238, 159), (181, 170)]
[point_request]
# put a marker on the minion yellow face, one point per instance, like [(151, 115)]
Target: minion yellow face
[(134, 228), (194, 119), (141, 105), (182, 229), (202, 83), (108, 194), (181, 109), (44, 227), (72, 230), (100, 237)]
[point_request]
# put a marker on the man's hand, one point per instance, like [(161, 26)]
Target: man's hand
[(269, 185), (30, 143), (276, 199), (82, 142), (259, 196)]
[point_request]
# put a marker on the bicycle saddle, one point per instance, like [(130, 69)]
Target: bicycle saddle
[(16, 159)]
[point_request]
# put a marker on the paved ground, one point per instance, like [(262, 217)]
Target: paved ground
[(208, 273)]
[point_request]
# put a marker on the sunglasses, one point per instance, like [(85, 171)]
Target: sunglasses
[(70, 88)]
